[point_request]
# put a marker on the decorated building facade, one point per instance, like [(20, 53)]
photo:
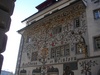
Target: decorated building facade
[(62, 37)]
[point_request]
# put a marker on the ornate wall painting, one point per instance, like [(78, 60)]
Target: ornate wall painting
[(53, 22), (42, 36), (90, 66)]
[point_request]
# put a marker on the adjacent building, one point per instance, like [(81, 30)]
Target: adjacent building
[(6, 73), (63, 36)]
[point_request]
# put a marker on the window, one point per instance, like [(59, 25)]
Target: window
[(53, 53), (60, 51), (97, 43), (80, 48), (28, 40), (34, 56), (77, 22), (57, 30), (66, 50), (96, 13)]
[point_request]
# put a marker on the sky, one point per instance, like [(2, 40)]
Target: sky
[(22, 10)]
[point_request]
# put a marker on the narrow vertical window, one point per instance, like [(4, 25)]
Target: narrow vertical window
[(66, 50), (53, 52), (80, 47), (62, 50), (58, 53), (28, 40)]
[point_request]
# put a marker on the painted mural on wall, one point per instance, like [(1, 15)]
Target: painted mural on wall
[(86, 65), (49, 71), (68, 71), (47, 30), (90, 66), (69, 68), (56, 31)]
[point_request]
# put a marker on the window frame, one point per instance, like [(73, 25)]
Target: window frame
[(57, 30), (28, 39), (94, 43), (59, 51), (75, 19), (62, 50), (96, 14), (53, 53), (66, 52), (77, 50)]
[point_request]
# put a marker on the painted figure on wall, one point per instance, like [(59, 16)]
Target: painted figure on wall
[(68, 71)]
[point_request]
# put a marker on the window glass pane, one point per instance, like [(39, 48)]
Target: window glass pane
[(77, 22), (53, 53), (80, 47), (97, 13), (66, 50), (28, 39), (62, 50), (58, 53), (97, 43), (57, 30)]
